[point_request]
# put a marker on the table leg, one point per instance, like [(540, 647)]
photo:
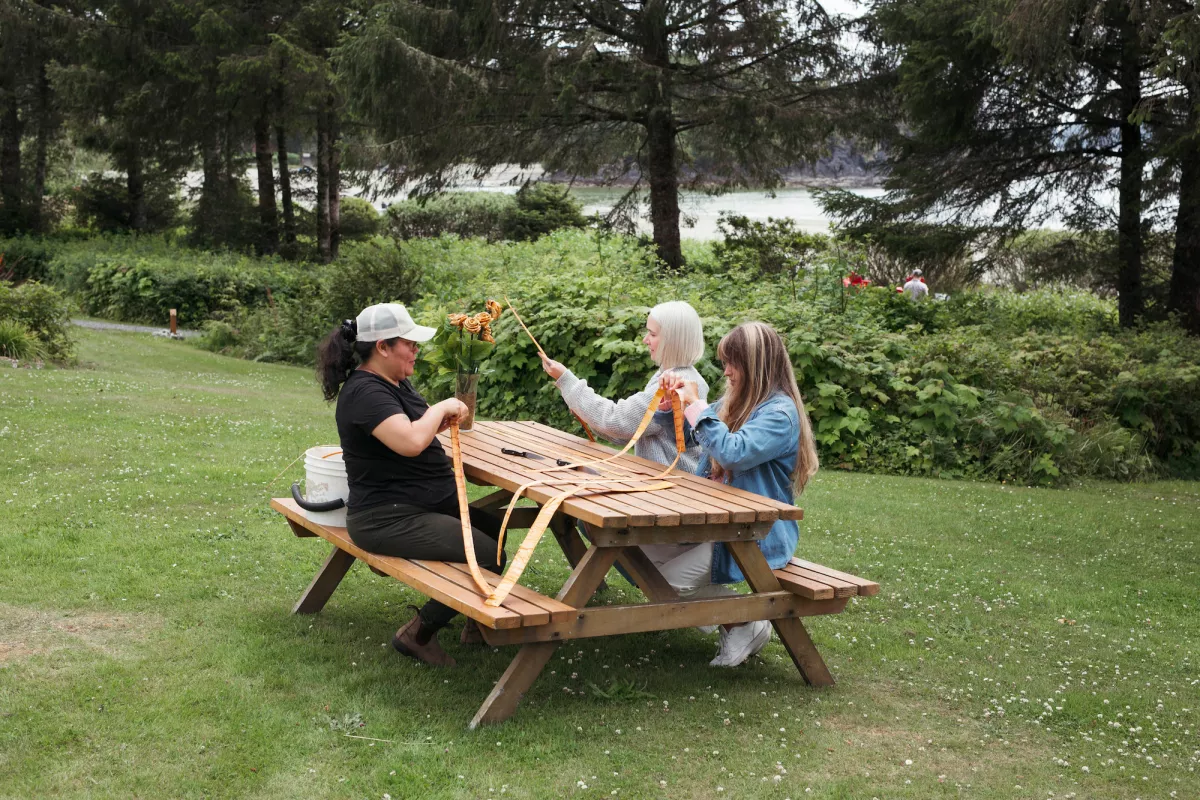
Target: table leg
[(572, 544), (321, 589), (531, 659), (646, 575), (791, 631)]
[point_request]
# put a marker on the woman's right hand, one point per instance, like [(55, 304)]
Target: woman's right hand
[(554, 369), (451, 408), (689, 391)]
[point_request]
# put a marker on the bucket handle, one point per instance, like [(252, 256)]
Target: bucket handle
[(328, 505)]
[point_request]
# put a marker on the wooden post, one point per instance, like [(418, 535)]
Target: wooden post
[(172, 322)]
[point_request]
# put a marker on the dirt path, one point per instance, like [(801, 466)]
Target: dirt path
[(98, 325)]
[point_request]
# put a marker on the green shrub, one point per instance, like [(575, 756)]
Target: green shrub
[(226, 218), (358, 219), (539, 209), (102, 204), (463, 214), (774, 247), (25, 258), (41, 311), (18, 342), (370, 272)]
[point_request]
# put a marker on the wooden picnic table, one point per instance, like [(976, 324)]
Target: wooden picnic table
[(693, 510)]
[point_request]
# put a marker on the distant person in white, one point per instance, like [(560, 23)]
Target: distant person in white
[(915, 289)]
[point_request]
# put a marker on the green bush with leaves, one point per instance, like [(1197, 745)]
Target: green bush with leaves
[(541, 208), (102, 204), (25, 258), (38, 319), (358, 219), (463, 214)]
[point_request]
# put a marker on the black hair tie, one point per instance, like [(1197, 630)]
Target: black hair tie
[(349, 330)]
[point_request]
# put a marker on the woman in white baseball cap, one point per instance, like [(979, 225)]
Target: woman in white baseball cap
[(402, 494)]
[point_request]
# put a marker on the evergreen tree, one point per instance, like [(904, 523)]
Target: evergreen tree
[(721, 94)]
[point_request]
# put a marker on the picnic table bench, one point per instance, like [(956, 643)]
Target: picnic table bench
[(693, 510)]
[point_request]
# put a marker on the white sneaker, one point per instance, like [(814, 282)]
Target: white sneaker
[(740, 643)]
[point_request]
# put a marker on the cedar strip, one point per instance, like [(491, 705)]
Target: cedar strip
[(614, 515), (681, 494), (558, 611), (531, 613), (464, 509), (764, 508), (663, 511), (497, 470), (866, 588)]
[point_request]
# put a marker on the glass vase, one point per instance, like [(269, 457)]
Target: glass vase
[(466, 387)]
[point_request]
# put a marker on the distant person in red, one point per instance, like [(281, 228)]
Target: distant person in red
[(856, 280)]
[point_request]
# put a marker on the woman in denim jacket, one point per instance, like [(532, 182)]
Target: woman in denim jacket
[(757, 437)]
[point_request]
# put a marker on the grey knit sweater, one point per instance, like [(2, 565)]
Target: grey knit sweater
[(618, 421)]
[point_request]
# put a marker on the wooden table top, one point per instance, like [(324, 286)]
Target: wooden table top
[(692, 500)]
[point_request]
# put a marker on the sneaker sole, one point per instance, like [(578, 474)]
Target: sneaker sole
[(752, 648)]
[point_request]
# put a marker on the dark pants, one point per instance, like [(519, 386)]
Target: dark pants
[(432, 534)]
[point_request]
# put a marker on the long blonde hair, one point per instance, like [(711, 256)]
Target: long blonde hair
[(757, 351)]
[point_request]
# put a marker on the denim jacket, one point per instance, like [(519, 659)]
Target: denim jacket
[(758, 458)]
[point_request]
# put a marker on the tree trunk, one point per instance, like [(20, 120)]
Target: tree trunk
[(45, 134), (268, 216), (10, 166), (285, 187), (1133, 161), (660, 137), (1184, 297), (323, 239), (335, 185), (135, 183)]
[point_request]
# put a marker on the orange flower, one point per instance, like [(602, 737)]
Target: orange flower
[(472, 325), (457, 320), (484, 318), (486, 336), (495, 309)]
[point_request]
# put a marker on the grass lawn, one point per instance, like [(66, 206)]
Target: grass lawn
[(1027, 643)]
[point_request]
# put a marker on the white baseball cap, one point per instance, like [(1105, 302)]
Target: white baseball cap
[(389, 320)]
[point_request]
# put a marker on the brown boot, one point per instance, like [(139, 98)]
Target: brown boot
[(471, 635), (405, 641)]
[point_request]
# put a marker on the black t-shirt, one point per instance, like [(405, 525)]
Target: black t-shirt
[(376, 473)]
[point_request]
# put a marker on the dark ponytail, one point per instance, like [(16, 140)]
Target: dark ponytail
[(338, 355)]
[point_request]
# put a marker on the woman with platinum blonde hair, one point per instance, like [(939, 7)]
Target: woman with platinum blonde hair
[(757, 437), (675, 339)]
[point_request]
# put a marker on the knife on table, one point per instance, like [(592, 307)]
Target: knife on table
[(562, 462)]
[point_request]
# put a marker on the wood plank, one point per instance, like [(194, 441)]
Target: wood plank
[(558, 611), (647, 576), (682, 493), (615, 620), (300, 531), (803, 586), (497, 473), (866, 588), (402, 569), (684, 534), (490, 450), (773, 508), (791, 632), (840, 587), (531, 613), (665, 512)]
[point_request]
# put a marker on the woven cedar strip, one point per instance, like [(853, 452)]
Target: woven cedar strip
[(803, 586), (866, 588), (427, 583), (497, 471), (681, 494), (840, 587), (531, 613), (688, 490), (768, 509), (665, 514), (487, 450), (557, 611)]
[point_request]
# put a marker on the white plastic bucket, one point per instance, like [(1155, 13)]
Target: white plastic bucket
[(325, 480)]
